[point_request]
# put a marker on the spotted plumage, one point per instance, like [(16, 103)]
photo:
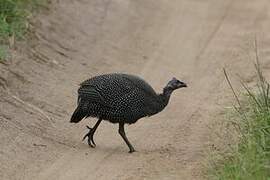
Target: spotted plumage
[(120, 98)]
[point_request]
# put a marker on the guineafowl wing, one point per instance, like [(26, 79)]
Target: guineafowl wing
[(109, 88), (90, 94)]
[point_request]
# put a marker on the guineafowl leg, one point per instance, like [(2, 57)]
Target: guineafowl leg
[(91, 133), (123, 135)]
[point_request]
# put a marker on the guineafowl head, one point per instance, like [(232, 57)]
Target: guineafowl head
[(173, 85)]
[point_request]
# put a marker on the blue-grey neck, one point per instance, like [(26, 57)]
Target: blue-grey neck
[(160, 102), (163, 99)]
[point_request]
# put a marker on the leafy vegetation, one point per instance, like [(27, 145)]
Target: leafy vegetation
[(250, 158), (14, 16)]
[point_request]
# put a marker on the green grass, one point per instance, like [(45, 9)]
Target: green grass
[(14, 18), (249, 159), (3, 53)]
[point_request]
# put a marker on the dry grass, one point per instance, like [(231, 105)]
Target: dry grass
[(248, 155)]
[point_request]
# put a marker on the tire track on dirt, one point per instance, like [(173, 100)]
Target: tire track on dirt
[(219, 24), (146, 68)]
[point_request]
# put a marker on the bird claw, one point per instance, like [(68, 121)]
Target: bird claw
[(132, 150), (90, 135)]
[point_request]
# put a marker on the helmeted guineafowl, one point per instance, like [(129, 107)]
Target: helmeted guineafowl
[(120, 98)]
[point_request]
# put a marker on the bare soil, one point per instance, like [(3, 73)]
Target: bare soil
[(155, 39)]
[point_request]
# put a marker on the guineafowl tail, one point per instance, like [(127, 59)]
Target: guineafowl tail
[(77, 116), (79, 112)]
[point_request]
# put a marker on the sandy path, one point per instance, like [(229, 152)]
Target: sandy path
[(156, 39)]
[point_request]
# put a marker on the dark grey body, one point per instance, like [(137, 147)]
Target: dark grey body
[(119, 98)]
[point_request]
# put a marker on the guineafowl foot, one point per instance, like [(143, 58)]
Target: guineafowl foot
[(90, 136), (132, 150), (91, 133)]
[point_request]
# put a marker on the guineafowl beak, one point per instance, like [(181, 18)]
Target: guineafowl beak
[(184, 85)]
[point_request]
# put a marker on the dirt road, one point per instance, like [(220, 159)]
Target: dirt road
[(156, 39)]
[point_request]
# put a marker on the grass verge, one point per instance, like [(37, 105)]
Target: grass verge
[(14, 20), (3, 52), (249, 158)]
